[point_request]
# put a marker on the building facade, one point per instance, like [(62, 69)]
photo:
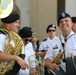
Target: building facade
[(38, 14)]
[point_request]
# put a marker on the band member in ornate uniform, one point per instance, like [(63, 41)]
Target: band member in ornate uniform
[(68, 38), (10, 25)]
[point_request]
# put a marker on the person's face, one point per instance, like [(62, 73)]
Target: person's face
[(26, 40), (74, 27), (51, 32), (65, 24), (14, 26), (34, 39)]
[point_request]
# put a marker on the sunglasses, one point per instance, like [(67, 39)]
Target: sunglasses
[(51, 30), (26, 40)]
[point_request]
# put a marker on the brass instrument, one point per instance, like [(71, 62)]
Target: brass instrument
[(58, 57), (14, 44), (35, 64), (12, 47), (6, 7)]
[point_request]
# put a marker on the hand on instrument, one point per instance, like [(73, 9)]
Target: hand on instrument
[(53, 66)]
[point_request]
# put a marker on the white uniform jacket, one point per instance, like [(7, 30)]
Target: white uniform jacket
[(29, 57), (49, 44), (2, 42), (70, 48)]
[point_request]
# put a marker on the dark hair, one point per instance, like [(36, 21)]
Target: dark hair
[(50, 26), (25, 32), (73, 19)]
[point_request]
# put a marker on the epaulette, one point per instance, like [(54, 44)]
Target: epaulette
[(44, 40)]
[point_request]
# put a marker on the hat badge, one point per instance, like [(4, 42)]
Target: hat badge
[(53, 25), (63, 14)]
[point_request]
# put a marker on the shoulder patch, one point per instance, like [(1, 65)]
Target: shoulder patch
[(44, 40)]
